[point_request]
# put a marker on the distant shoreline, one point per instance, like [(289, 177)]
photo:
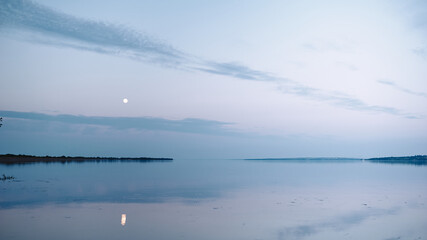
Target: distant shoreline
[(304, 159), (412, 160), (23, 159)]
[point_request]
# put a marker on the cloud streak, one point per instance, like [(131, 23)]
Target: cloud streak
[(189, 125), (236, 70), (422, 52), (402, 89), (67, 30), (52, 27), (339, 99)]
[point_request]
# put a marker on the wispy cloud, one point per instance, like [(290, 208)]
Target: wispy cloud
[(190, 125), (422, 52), (236, 70), (417, 11), (402, 89), (52, 27), (347, 65), (67, 30), (340, 99)]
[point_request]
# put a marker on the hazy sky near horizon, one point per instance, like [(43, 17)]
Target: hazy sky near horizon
[(213, 78)]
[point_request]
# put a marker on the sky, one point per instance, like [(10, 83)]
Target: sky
[(213, 79)]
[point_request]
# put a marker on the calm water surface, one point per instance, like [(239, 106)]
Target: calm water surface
[(214, 199)]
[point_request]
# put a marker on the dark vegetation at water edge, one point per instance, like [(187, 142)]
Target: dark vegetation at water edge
[(23, 159), (413, 160), (4, 177)]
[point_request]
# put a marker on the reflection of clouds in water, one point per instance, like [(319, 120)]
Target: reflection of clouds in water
[(298, 232), (393, 238), (337, 224)]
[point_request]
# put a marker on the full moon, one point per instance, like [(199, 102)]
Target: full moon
[(125, 100)]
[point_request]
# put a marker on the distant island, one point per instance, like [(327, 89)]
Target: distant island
[(23, 159), (413, 160), (304, 159)]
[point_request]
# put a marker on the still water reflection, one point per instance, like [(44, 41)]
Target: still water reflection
[(214, 199)]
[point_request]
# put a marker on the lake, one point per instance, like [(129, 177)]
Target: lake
[(214, 199)]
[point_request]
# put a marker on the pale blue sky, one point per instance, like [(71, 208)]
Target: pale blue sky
[(214, 78)]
